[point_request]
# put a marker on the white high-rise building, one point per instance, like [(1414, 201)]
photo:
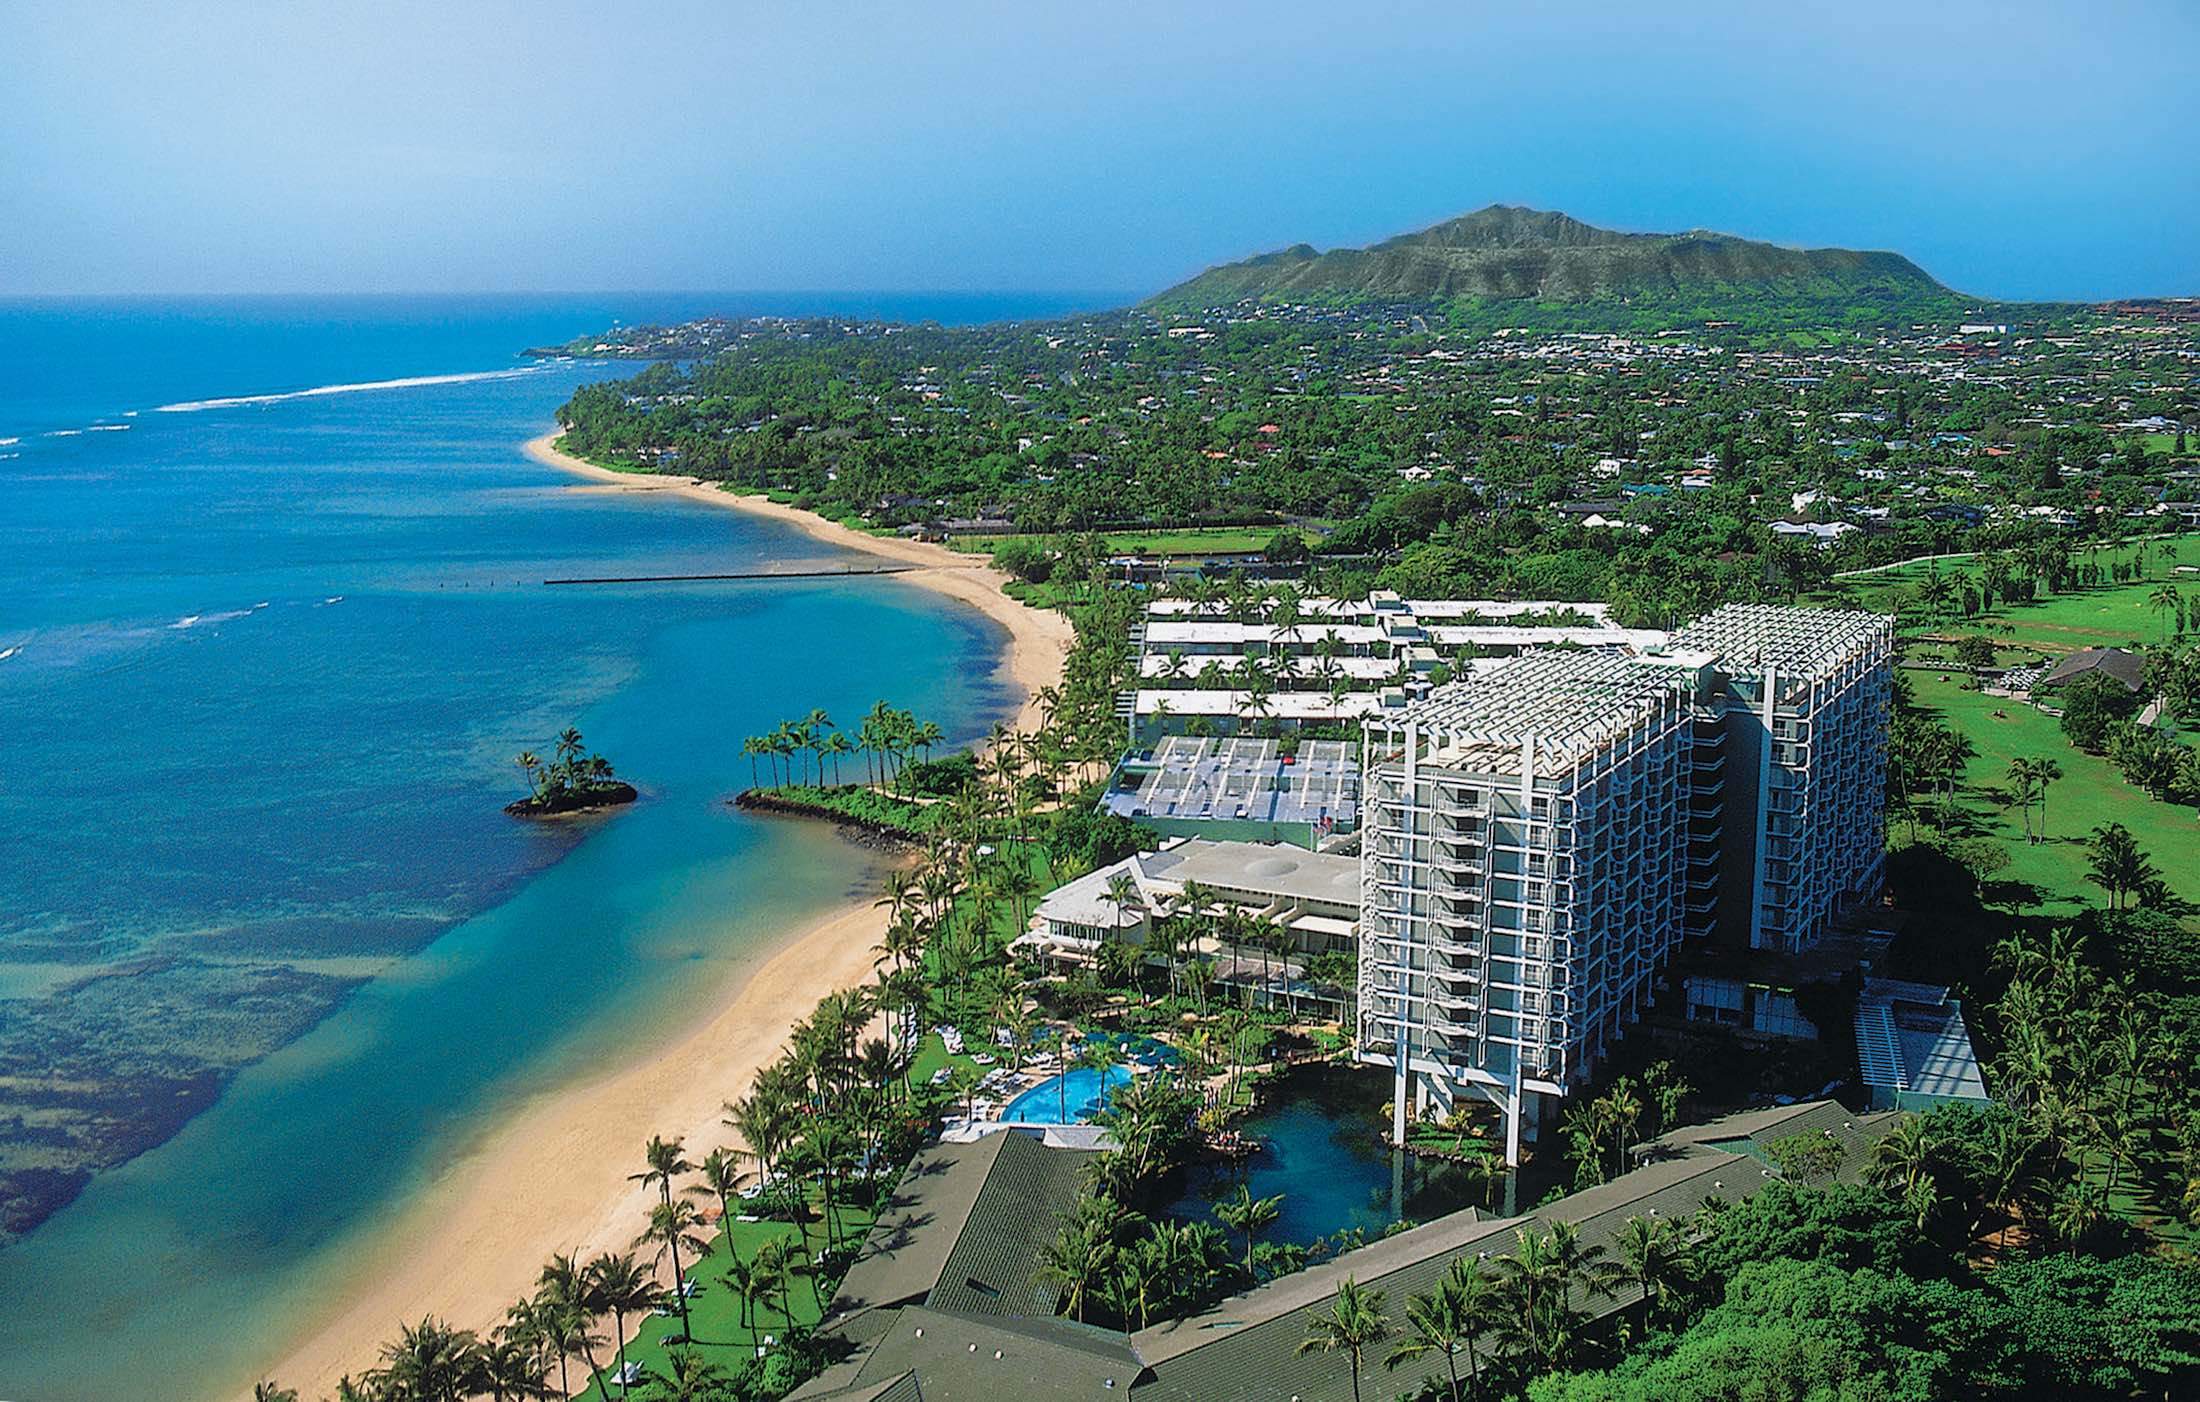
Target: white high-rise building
[(1540, 838), (1801, 725)]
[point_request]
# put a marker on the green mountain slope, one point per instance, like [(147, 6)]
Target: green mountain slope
[(1527, 266)]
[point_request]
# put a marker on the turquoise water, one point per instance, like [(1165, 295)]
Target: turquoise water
[(1322, 1150), (268, 942), (1082, 1089)]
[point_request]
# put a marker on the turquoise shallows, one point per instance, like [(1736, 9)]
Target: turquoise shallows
[(266, 667)]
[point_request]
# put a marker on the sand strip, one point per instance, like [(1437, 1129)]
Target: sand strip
[(554, 1178)]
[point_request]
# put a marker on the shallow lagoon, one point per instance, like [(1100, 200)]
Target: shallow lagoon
[(1322, 1149), (273, 662)]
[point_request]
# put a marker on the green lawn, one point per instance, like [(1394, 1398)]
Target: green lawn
[(2110, 615), (2090, 793), (715, 1312)]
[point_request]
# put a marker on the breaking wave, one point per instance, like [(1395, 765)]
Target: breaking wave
[(193, 406)]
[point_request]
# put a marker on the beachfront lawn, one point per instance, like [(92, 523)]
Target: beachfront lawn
[(716, 1312), (2051, 874)]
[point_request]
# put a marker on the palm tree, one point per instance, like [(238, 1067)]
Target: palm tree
[(741, 1278), (2045, 771), (1123, 895), (2023, 787), (666, 1161), (542, 1324), (672, 1225), (1083, 1250), (836, 745), (770, 1274), (620, 1285), (1097, 1054), (828, 1149), (1655, 1255), (429, 1362), (2115, 864), (1539, 1280), (2075, 1213), (689, 1377), (1250, 1215), (1354, 1324), (268, 1392), (568, 746), (764, 1122), (509, 1369), (1901, 1163), (1622, 1111), (721, 1170), (1447, 1320), (529, 764), (563, 1290), (2167, 601)]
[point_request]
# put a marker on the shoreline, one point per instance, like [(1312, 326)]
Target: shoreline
[(554, 1175), (1038, 639)]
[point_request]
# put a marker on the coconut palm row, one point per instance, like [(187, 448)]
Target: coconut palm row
[(799, 750), (531, 1354)]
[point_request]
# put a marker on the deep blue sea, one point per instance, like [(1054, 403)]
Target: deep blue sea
[(266, 938)]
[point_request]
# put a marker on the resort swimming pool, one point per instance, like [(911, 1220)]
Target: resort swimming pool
[(1080, 1091)]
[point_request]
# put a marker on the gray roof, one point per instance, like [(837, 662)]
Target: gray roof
[(917, 1227), (2126, 667), (1270, 868), (992, 1266), (944, 1357), (962, 1232)]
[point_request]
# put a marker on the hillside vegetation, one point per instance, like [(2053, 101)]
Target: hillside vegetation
[(1538, 268)]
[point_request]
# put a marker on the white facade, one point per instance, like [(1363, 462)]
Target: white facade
[(1539, 839), (1523, 874)]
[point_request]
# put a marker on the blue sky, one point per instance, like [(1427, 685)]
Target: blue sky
[(2013, 149)]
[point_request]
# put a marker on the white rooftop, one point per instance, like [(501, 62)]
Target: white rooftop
[(1750, 638), (1568, 703)]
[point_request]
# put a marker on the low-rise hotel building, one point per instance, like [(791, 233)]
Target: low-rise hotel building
[(1300, 903)]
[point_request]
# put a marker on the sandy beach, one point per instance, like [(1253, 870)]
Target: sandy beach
[(554, 1177)]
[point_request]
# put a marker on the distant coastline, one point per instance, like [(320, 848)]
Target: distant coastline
[(555, 1176)]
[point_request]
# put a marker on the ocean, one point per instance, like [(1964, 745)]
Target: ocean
[(271, 629)]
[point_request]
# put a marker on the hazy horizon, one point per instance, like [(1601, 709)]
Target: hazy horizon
[(2018, 151)]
